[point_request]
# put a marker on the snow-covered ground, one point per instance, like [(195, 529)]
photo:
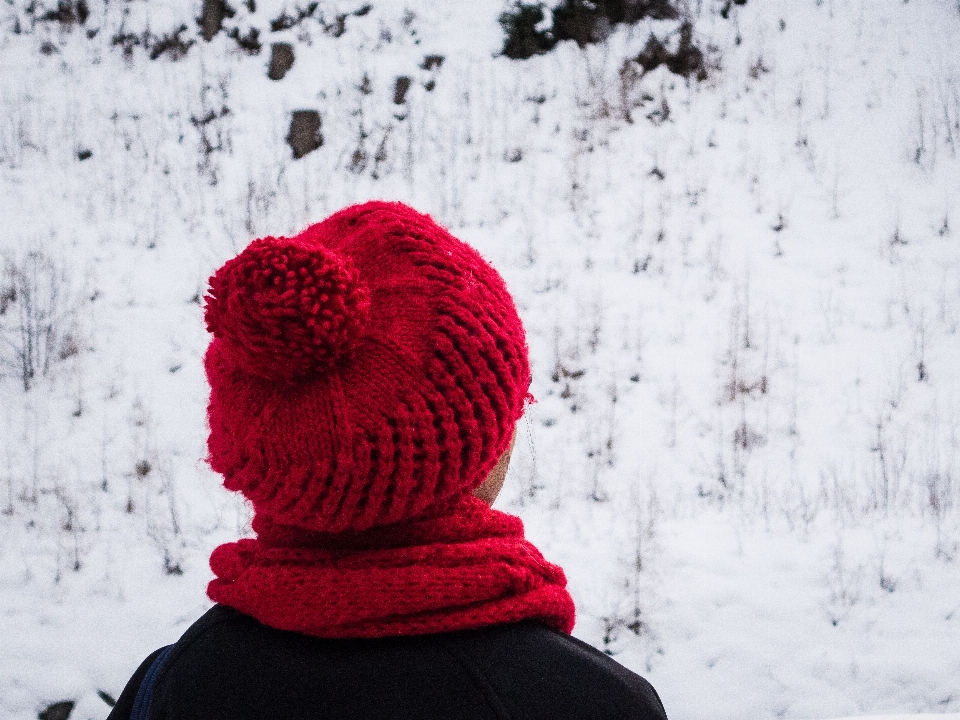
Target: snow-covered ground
[(742, 298), (937, 716)]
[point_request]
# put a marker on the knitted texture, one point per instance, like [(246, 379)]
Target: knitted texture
[(361, 372), (288, 310), (467, 569), (365, 377)]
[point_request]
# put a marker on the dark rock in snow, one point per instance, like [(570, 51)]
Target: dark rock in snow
[(304, 136), (281, 60), (57, 711), (400, 89), (212, 15)]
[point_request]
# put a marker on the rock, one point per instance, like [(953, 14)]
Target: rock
[(304, 136), (212, 16), (57, 711), (281, 60), (400, 89)]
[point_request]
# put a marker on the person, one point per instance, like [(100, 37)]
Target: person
[(366, 378)]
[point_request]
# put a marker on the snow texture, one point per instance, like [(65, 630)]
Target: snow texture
[(742, 298)]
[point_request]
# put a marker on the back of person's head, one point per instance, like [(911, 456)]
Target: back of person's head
[(368, 371), (365, 378)]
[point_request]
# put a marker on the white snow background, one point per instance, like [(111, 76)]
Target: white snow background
[(742, 297)]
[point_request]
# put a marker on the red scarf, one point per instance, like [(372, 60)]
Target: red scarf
[(468, 568)]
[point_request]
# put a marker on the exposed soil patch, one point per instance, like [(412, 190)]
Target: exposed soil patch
[(587, 22), (653, 55), (68, 12), (172, 45), (584, 21), (285, 20), (686, 61), (725, 11), (522, 37), (249, 42), (431, 61)]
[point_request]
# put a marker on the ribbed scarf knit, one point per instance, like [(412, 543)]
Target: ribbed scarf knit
[(467, 567)]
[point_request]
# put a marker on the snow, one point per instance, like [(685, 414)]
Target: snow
[(749, 479), (938, 716)]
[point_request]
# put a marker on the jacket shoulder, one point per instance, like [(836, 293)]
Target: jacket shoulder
[(230, 666), (538, 673)]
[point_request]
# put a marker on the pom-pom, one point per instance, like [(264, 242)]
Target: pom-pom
[(288, 310)]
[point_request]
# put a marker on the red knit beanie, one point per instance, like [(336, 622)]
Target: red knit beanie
[(365, 372)]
